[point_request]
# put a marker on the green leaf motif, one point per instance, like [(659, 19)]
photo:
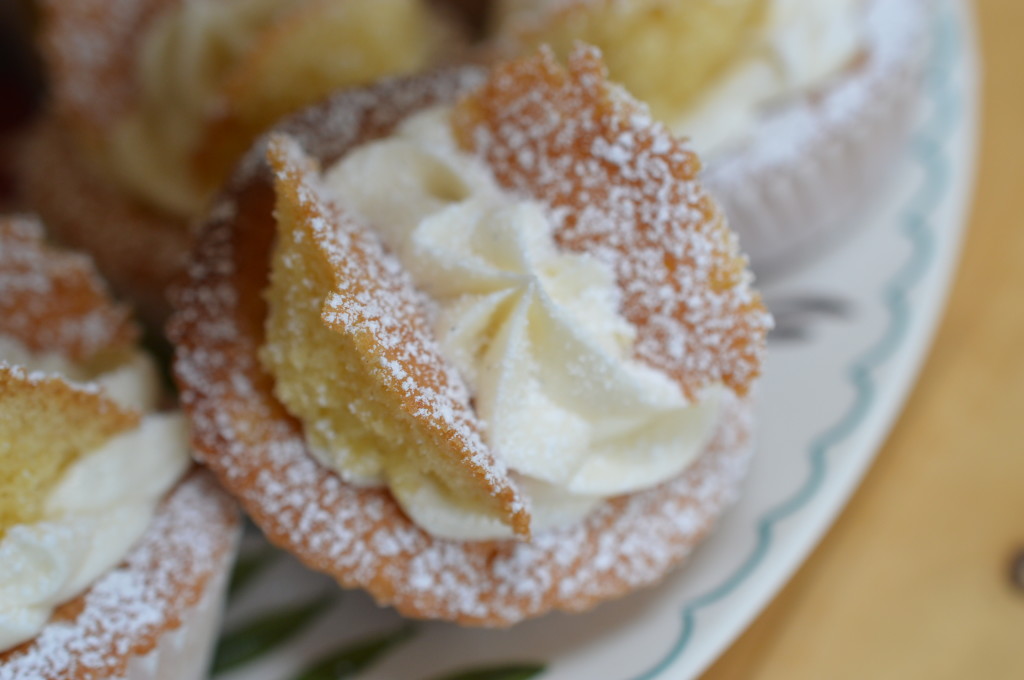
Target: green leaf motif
[(516, 672), (351, 660), (257, 638)]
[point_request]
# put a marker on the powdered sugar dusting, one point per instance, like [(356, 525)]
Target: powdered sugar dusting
[(53, 301), (360, 536), (376, 305), (622, 188), (90, 47), (125, 612)]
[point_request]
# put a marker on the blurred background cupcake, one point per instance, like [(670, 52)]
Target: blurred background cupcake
[(114, 552), (799, 107), (151, 102)]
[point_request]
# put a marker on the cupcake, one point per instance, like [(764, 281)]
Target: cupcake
[(799, 108), (114, 553), (477, 343), (152, 101)]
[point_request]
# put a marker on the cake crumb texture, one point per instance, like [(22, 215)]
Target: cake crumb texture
[(354, 354), (47, 424)]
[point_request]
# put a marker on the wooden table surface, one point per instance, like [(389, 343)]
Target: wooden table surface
[(916, 578)]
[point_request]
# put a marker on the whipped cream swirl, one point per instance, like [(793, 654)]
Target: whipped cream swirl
[(535, 332), (101, 506)]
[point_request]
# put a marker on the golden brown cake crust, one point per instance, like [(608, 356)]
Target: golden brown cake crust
[(360, 536), (54, 301), (89, 47), (124, 615)]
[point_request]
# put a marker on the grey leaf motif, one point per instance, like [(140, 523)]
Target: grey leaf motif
[(258, 637), (796, 314), (516, 672), (351, 660)]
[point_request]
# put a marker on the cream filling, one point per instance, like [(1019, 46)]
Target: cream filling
[(184, 58), (97, 511), (280, 53), (133, 382), (535, 333), (800, 46)]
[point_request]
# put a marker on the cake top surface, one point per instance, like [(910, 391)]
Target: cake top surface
[(55, 301)]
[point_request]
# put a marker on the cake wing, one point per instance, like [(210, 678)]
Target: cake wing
[(47, 424), (54, 301), (365, 344), (620, 187)]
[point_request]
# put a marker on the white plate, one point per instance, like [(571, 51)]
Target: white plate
[(853, 331)]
